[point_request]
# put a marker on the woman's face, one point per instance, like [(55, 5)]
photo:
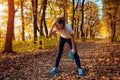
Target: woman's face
[(59, 26)]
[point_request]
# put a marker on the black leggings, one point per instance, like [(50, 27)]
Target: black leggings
[(62, 41)]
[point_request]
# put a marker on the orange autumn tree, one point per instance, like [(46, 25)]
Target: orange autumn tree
[(10, 27)]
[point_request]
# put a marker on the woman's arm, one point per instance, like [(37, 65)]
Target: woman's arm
[(73, 43), (52, 32)]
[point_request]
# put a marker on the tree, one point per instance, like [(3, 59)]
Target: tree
[(10, 27), (111, 16), (43, 20), (113, 23), (81, 26), (77, 19), (35, 12), (22, 18), (91, 19), (74, 9)]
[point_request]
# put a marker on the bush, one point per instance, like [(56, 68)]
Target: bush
[(117, 37), (2, 42), (28, 46)]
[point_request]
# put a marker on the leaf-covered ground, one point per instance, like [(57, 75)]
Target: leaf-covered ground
[(99, 60)]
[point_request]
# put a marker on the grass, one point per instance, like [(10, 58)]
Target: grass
[(1, 44), (28, 46)]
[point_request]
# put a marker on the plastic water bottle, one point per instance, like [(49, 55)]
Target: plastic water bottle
[(71, 55)]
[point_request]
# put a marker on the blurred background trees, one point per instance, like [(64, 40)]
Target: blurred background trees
[(111, 18), (34, 17)]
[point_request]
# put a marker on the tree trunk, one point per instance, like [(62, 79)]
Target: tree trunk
[(43, 21), (81, 26), (46, 30), (10, 27), (45, 26), (73, 14), (22, 16), (90, 31), (113, 25), (114, 20), (77, 23), (64, 8), (41, 26), (35, 26)]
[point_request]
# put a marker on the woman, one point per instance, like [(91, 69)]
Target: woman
[(66, 36)]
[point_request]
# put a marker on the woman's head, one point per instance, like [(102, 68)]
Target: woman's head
[(60, 23)]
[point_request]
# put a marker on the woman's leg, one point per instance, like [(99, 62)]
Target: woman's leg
[(60, 50), (76, 56)]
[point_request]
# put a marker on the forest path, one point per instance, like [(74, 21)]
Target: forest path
[(99, 59)]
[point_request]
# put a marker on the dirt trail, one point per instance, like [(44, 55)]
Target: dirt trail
[(100, 60)]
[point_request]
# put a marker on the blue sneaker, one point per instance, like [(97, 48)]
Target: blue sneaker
[(71, 55), (54, 70), (80, 71)]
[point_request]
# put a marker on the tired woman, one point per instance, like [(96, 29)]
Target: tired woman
[(66, 36)]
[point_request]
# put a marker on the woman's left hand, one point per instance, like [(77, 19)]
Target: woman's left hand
[(73, 51)]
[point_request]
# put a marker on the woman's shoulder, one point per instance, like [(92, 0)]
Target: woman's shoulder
[(68, 26)]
